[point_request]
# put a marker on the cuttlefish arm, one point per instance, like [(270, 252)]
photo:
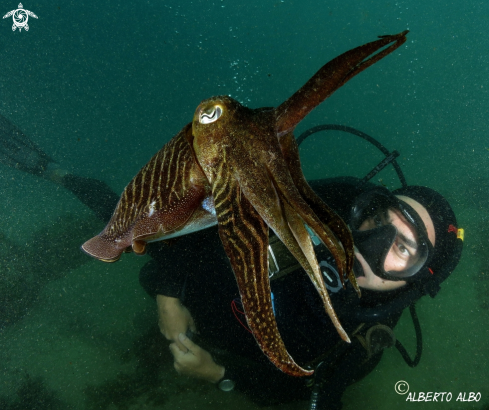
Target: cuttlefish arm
[(290, 151), (244, 235), (331, 77), (170, 196), (326, 81)]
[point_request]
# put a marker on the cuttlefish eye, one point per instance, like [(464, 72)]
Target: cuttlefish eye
[(210, 115)]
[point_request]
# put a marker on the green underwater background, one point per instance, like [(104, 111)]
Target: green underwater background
[(101, 86)]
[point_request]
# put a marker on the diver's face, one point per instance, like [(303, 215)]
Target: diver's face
[(403, 252)]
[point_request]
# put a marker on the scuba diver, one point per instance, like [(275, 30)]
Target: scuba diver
[(406, 244)]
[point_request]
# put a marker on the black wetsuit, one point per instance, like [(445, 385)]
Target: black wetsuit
[(197, 271)]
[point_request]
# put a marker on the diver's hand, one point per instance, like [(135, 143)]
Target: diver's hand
[(173, 319), (194, 361)]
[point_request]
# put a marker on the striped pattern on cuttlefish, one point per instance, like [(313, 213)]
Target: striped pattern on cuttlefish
[(169, 197), (239, 168)]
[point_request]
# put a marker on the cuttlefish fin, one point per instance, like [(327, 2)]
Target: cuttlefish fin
[(290, 151), (331, 77), (147, 227), (105, 249), (244, 236)]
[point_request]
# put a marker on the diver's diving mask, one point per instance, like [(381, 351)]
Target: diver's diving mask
[(375, 235)]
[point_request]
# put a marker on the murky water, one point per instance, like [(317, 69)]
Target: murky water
[(102, 86)]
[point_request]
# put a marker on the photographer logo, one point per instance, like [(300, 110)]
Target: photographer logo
[(20, 17)]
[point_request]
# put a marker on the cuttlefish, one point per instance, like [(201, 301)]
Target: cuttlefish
[(239, 168)]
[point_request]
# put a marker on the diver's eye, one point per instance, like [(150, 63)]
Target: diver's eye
[(380, 219), (403, 250), (207, 117)]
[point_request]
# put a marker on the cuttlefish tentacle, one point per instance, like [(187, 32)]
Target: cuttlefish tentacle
[(290, 152), (331, 77)]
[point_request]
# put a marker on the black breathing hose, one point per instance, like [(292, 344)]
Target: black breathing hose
[(390, 157)]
